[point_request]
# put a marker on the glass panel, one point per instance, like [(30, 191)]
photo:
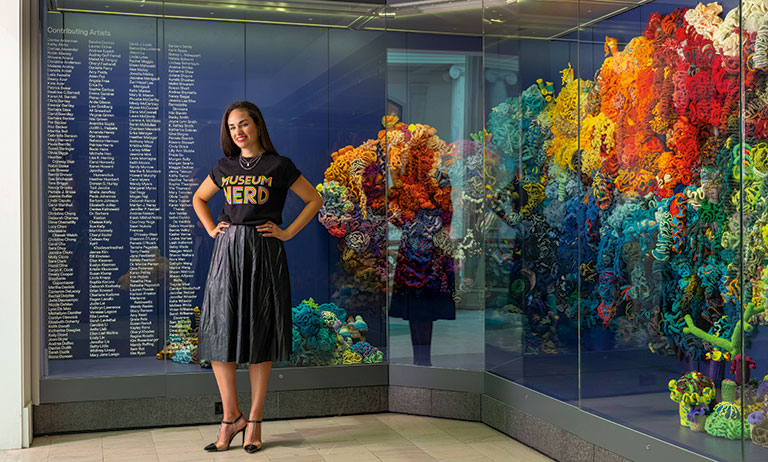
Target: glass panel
[(193, 55), (132, 127), (353, 190), (504, 300), (293, 97), (103, 281), (533, 200), (749, 367), (662, 157), (626, 288), (435, 189)]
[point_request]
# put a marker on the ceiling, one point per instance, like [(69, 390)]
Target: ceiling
[(542, 19)]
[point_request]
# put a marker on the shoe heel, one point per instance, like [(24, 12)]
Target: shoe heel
[(213, 448)]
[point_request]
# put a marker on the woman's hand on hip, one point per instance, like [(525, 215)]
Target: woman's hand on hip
[(270, 229), (218, 229)]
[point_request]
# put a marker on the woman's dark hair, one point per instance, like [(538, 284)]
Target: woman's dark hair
[(228, 145)]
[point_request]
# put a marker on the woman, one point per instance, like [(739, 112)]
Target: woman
[(246, 314)]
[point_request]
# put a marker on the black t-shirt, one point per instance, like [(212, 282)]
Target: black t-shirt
[(254, 196)]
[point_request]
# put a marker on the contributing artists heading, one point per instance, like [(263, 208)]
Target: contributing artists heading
[(78, 31)]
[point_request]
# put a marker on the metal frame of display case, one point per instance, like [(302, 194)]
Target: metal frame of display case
[(60, 390)]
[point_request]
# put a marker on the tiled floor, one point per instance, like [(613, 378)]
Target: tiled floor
[(379, 437)]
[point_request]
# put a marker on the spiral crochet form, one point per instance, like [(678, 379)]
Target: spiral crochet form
[(761, 47), (693, 389)]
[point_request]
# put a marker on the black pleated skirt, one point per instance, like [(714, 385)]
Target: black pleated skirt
[(246, 313)]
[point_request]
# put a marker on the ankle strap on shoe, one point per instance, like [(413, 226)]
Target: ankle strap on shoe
[(254, 421), (230, 423)]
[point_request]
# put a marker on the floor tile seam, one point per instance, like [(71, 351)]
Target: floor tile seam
[(352, 437), (349, 435), (408, 415), (390, 426), (154, 443), (431, 434), (318, 451), (325, 451)]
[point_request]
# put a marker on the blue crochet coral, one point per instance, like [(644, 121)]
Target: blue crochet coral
[(316, 336)]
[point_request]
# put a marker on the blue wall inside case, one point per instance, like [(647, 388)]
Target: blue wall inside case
[(318, 89), (287, 77), (99, 132)]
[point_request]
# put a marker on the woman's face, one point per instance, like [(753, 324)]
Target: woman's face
[(243, 130)]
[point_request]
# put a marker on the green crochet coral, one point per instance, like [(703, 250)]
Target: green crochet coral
[(728, 390), (733, 345), (718, 425)]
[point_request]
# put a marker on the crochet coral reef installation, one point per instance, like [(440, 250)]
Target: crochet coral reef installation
[(357, 206), (630, 197)]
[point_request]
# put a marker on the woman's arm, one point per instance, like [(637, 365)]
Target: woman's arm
[(200, 203), (312, 201)]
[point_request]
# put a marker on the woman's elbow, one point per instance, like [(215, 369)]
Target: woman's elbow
[(197, 199), (317, 203)]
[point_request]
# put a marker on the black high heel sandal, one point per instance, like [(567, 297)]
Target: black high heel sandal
[(251, 448), (213, 448)]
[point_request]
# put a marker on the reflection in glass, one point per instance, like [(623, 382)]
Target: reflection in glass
[(533, 191), (435, 200)]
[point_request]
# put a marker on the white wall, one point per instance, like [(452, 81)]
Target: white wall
[(12, 381)]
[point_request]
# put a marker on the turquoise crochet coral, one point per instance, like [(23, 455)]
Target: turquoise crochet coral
[(317, 338)]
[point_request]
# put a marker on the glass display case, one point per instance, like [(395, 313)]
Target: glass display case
[(564, 194), (625, 275), (132, 120)]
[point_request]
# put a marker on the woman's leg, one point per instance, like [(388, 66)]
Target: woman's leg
[(259, 374), (421, 339), (225, 377)]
